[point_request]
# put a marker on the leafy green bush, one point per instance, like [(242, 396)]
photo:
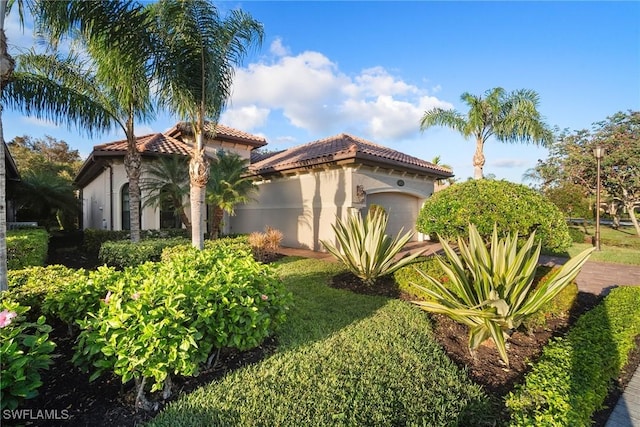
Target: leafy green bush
[(237, 243), (365, 249), (125, 253), (491, 291), (410, 278), (163, 319), (558, 307), (571, 380), (33, 285), (577, 236), (27, 247), (94, 238), (25, 350), (513, 207)]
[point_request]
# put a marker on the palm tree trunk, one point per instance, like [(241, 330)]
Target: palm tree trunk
[(199, 175), (7, 65), (133, 164), (478, 159), (216, 220)]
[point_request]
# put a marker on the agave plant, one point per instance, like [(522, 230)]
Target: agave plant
[(365, 249), (492, 290)]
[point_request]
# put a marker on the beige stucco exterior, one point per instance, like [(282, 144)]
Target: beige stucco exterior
[(305, 205)]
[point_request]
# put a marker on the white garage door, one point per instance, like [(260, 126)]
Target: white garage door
[(402, 209)]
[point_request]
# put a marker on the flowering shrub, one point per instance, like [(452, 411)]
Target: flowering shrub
[(169, 318), (24, 351)]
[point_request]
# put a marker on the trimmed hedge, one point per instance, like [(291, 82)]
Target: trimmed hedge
[(237, 243), (515, 208), (125, 253), (572, 378), (93, 238), (26, 248)]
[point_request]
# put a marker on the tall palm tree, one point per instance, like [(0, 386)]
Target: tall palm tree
[(228, 186), (508, 117), (167, 181), (196, 51)]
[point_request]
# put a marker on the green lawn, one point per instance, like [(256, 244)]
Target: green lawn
[(343, 359)]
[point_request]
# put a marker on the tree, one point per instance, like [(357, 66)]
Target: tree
[(571, 159), (508, 117), (437, 160), (196, 51), (51, 154), (167, 181), (228, 186)]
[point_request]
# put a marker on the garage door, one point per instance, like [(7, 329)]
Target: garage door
[(402, 209)]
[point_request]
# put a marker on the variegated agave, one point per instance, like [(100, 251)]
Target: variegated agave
[(492, 290), (365, 249)]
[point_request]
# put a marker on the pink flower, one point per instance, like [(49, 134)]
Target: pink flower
[(135, 296), (106, 298), (6, 316), (264, 297)]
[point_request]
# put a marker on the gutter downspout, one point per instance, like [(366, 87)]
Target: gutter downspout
[(110, 196)]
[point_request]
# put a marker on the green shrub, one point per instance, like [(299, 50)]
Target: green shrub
[(25, 350), (365, 249), (94, 238), (410, 279), (125, 253), (26, 248), (577, 236), (162, 319), (33, 285), (513, 207), (491, 290), (558, 307), (572, 378), (237, 243)]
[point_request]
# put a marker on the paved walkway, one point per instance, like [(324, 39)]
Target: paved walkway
[(595, 277)]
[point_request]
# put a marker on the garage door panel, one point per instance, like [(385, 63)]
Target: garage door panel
[(402, 209)]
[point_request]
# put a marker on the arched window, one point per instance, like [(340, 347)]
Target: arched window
[(168, 217)]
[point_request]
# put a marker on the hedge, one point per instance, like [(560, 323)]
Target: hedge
[(94, 238), (572, 378), (125, 253), (27, 247)]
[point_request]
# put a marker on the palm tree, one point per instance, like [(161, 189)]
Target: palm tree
[(228, 186), (508, 117), (437, 160), (167, 181), (196, 51)]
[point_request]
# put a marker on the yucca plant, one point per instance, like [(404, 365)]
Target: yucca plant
[(492, 290), (365, 249)]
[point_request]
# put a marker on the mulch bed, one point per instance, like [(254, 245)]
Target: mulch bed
[(486, 368), (106, 402)]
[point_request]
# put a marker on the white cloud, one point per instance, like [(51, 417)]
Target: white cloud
[(509, 163), (34, 121), (312, 93), (245, 118), (278, 49)]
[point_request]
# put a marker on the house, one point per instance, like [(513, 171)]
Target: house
[(301, 190), (103, 183)]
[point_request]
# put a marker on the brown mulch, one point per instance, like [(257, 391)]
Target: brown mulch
[(486, 368)]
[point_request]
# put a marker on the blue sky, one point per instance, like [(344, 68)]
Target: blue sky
[(372, 68)]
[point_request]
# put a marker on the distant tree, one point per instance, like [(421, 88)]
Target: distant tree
[(571, 159), (45, 153), (570, 198), (508, 117), (228, 186), (166, 180), (437, 160)]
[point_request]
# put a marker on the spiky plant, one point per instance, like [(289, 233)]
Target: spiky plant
[(492, 290), (365, 249)]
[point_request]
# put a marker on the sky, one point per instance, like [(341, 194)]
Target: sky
[(372, 69)]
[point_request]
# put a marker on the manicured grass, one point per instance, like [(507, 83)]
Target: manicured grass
[(608, 253), (343, 359), (624, 237)]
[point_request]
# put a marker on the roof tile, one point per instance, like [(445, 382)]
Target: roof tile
[(155, 143)]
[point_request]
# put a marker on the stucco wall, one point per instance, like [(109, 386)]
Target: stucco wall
[(302, 206)]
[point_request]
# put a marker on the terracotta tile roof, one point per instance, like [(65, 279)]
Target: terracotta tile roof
[(221, 132), (344, 147), (155, 143)]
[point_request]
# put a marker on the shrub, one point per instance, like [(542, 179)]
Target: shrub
[(410, 278), (513, 207), (577, 236), (24, 351), (232, 244), (27, 247), (491, 291), (365, 249), (125, 253), (571, 380), (558, 307), (163, 319), (33, 285), (94, 238), (265, 245)]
